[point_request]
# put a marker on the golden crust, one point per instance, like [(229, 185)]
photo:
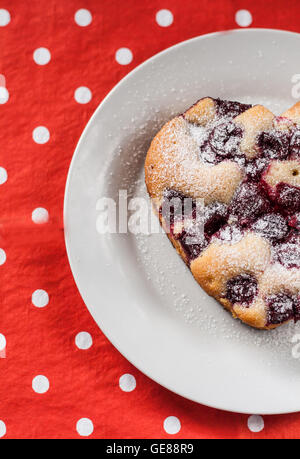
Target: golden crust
[(253, 121), (221, 262), (254, 315), (202, 112), (293, 113)]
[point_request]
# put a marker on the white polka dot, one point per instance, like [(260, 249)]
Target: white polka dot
[(83, 17), (164, 18), (127, 382), (2, 429), (124, 56), (243, 18), (3, 175), (2, 257), (4, 95), (40, 384), (2, 342), (172, 425), (40, 215), (41, 134), (83, 340), (42, 56), (40, 298), (255, 423), (84, 427), (83, 95), (4, 17)]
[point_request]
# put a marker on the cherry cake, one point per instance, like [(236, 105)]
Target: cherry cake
[(242, 163)]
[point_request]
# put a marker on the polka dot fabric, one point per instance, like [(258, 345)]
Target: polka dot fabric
[(57, 62)]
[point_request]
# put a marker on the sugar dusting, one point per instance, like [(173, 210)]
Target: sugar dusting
[(168, 276), (192, 148), (180, 294)]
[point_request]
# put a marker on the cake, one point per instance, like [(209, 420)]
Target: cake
[(224, 180)]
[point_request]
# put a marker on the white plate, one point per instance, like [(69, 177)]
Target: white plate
[(136, 287)]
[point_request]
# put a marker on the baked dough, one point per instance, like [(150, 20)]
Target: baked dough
[(236, 169)]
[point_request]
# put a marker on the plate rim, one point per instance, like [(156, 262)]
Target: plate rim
[(67, 197)]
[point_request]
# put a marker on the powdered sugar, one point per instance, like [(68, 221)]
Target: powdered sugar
[(230, 234), (198, 133), (201, 142)]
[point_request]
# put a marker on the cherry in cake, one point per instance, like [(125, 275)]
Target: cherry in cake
[(243, 163), (282, 307), (241, 289)]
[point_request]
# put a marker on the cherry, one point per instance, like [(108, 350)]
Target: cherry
[(274, 144), (249, 202), (288, 197), (215, 216), (294, 221), (192, 250), (241, 289), (272, 227), (230, 108), (288, 254), (225, 139), (281, 307)]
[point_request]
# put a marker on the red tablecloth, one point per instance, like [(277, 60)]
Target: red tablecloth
[(56, 381)]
